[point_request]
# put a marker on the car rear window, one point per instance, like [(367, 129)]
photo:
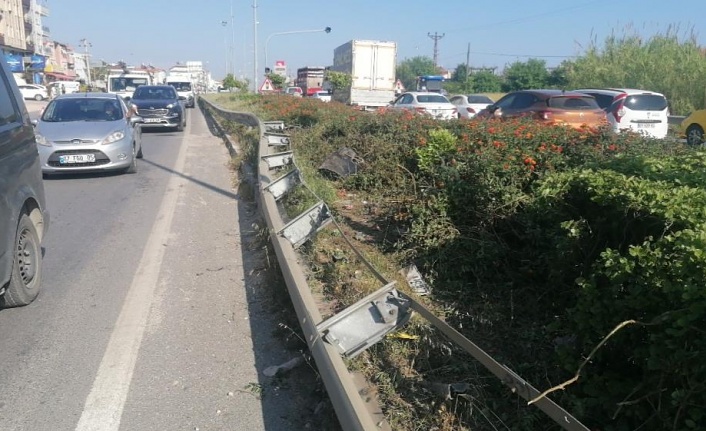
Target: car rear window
[(646, 102), (572, 103), (479, 99), (432, 98)]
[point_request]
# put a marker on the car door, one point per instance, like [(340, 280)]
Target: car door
[(405, 101), (521, 105)]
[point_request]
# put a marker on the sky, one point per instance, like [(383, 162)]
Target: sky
[(221, 33)]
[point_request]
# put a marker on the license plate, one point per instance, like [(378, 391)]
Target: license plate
[(152, 120), (77, 158), (645, 125)]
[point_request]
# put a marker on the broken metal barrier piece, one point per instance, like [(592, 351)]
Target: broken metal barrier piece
[(344, 163), (366, 322), (306, 224), (276, 139), (283, 184), (273, 126), (277, 160)]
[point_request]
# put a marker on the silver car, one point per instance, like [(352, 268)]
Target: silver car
[(83, 132)]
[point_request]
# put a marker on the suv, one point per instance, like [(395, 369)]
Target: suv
[(641, 111), (23, 217), (159, 106)]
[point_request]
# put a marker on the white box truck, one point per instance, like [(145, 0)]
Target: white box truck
[(371, 65)]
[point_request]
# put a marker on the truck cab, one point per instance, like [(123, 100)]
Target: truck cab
[(184, 89), (430, 83), (124, 82)]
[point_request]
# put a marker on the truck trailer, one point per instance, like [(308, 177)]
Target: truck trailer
[(371, 65)]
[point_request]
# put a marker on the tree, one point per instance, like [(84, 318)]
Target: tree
[(338, 80), (278, 81), (410, 69), (460, 74), (530, 74), (231, 82), (486, 82)]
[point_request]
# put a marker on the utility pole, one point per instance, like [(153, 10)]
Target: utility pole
[(232, 28), (435, 37), (225, 43), (468, 64), (254, 30), (86, 44)]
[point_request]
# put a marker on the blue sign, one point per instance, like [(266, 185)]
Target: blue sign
[(15, 62), (38, 62)]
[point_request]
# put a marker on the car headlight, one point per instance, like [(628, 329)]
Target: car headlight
[(41, 140), (114, 137), (170, 106)]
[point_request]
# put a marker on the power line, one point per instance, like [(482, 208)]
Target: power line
[(530, 17)]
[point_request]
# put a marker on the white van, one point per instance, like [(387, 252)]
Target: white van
[(641, 111)]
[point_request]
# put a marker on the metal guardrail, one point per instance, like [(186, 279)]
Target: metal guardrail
[(364, 323)]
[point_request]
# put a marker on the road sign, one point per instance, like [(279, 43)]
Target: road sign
[(399, 88), (267, 86)]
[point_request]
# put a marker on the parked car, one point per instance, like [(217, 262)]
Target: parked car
[(549, 106), (640, 111), (468, 105), (82, 132), (24, 219), (323, 96), (294, 91), (159, 106), (426, 103), (693, 126), (34, 91)]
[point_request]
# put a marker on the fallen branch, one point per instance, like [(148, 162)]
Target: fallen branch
[(563, 386)]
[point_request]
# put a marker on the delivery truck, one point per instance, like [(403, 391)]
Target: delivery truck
[(371, 65)]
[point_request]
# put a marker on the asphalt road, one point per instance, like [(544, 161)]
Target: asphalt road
[(152, 314)]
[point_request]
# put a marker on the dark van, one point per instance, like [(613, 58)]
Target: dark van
[(23, 217)]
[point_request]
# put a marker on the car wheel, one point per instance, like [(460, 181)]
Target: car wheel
[(26, 275), (38, 97), (132, 169), (694, 135), (180, 127), (139, 153)]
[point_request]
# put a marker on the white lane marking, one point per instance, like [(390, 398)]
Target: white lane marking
[(104, 405)]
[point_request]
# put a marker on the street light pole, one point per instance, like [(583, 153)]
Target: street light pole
[(267, 41), (86, 44), (225, 42), (232, 30), (254, 30)]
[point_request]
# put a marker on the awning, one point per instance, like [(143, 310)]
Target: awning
[(60, 76)]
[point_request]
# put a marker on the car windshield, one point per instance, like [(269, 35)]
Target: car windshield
[(646, 102), (479, 99), (155, 93), (84, 109), (573, 103), (432, 98)]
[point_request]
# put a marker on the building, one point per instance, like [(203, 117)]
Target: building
[(23, 38)]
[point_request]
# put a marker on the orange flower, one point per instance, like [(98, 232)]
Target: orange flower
[(528, 135), (422, 142), (612, 147)]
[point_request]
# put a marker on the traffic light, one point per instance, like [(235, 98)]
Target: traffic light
[(327, 29)]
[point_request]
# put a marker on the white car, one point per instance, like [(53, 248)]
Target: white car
[(323, 96), (641, 111), (427, 103), (468, 105), (33, 91)]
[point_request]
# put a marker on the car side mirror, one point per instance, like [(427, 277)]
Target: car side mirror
[(34, 123)]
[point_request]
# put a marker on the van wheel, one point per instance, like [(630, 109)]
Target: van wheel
[(26, 275), (694, 135)]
